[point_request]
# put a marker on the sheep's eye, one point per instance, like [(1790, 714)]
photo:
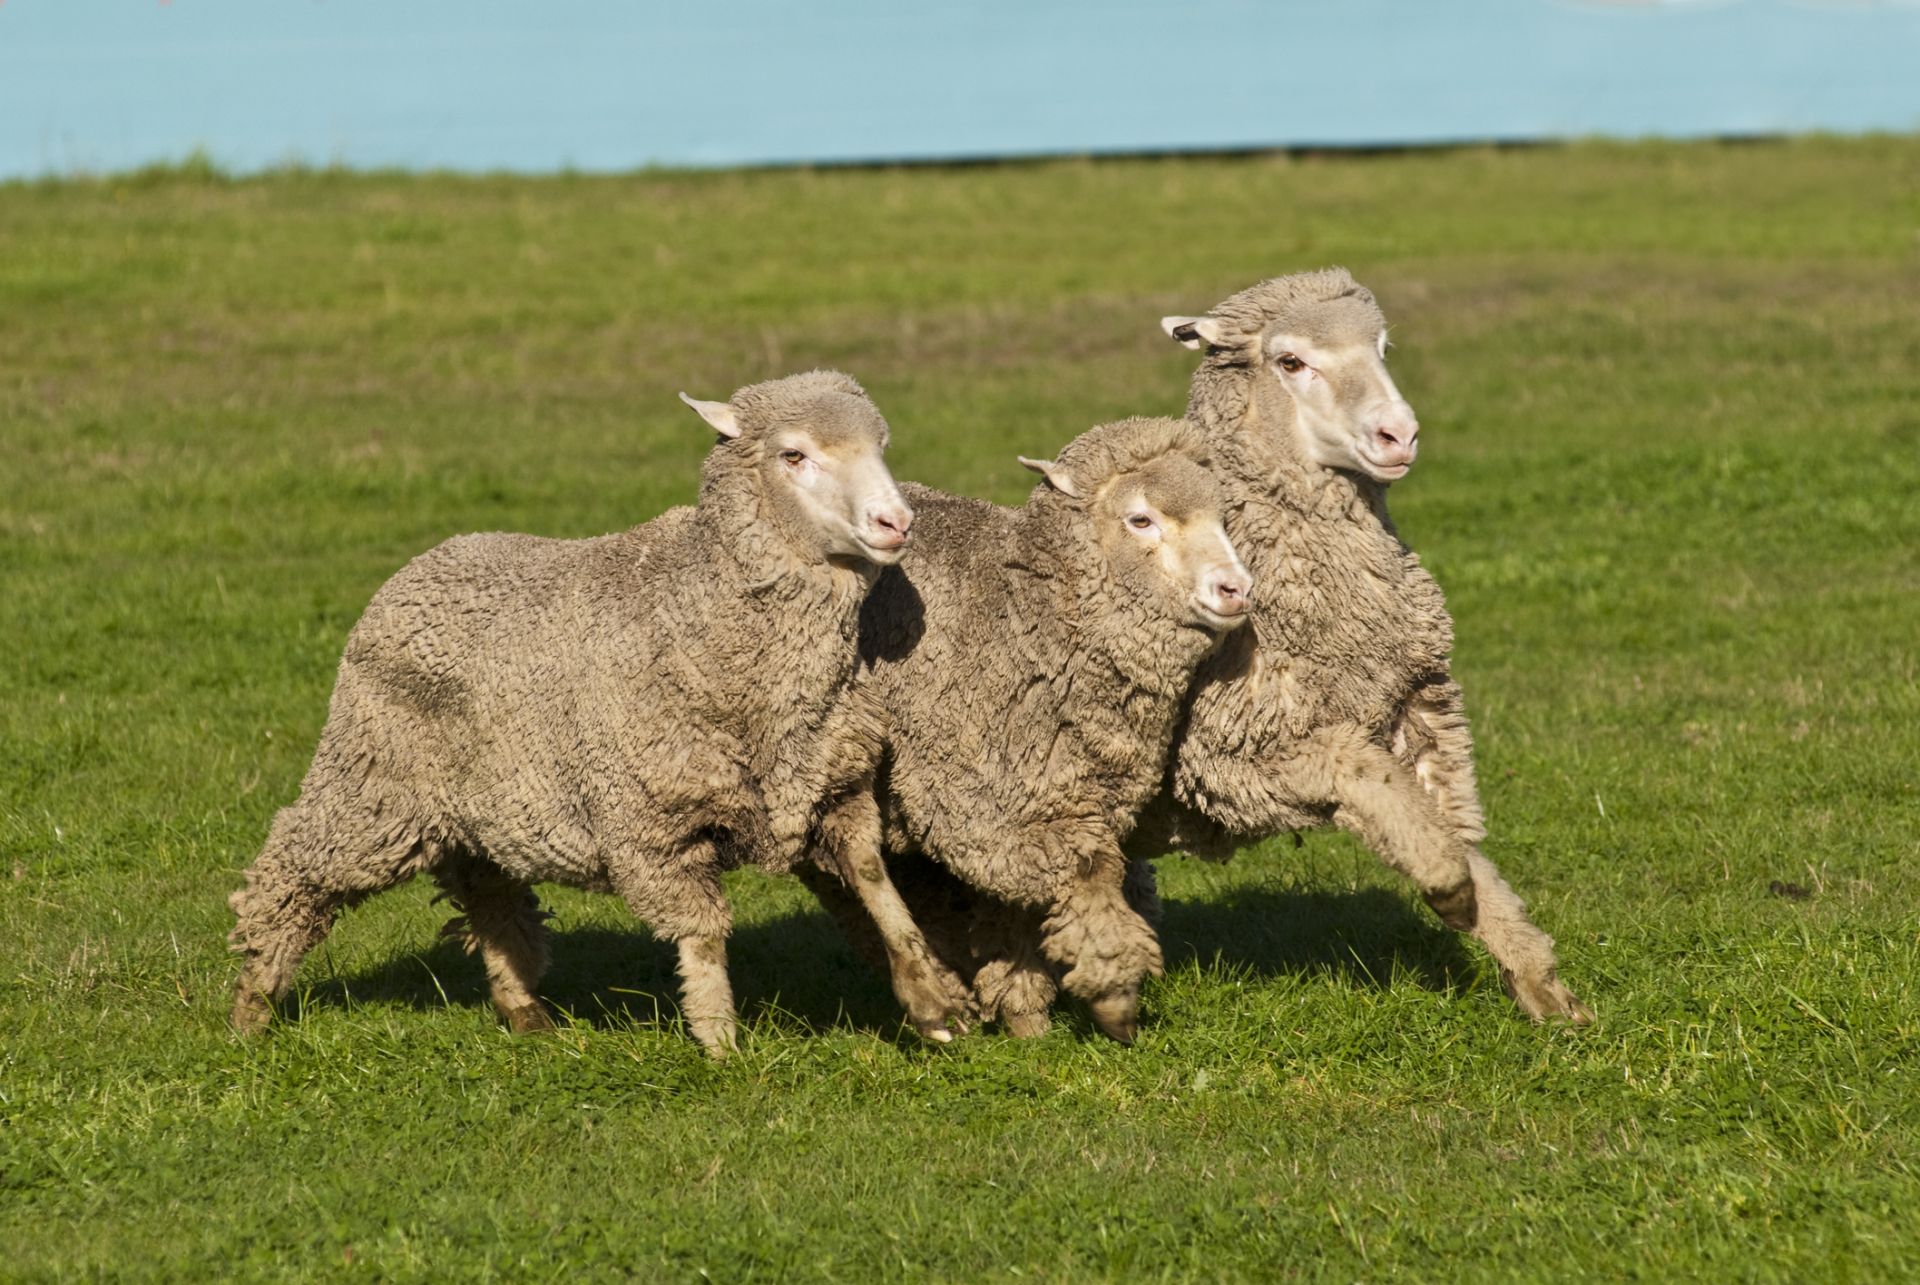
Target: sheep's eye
[(1140, 522), (793, 456), (1291, 364)]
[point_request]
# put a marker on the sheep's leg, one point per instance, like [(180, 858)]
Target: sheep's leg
[(1107, 949), (1528, 968), (680, 899), (501, 919), (1433, 735), (295, 888), (706, 993), (1142, 890), (280, 916), (824, 881), (1378, 800), (1015, 986), (936, 999)]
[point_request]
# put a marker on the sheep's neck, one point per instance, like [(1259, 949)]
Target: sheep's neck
[(794, 616)]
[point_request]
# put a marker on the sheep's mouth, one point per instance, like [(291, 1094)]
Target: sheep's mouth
[(882, 555), (1207, 618)]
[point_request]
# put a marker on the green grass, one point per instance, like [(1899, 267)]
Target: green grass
[(1671, 484)]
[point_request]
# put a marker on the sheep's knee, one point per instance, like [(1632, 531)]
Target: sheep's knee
[(1458, 907), (1384, 807)]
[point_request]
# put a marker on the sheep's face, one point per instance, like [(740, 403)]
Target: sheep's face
[(1161, 529), (825, 465), (1319, 361), (823, 472), (1347, 412)]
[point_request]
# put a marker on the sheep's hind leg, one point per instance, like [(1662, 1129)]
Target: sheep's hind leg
[(1435, 736), (502, 921), (1524, 953), (313, 864), (706, 993), (821, 873), (1015, 986), (680, 899)]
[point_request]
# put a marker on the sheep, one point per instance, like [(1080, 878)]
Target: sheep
[(1336, 705), (1031, 664), (630, 714)]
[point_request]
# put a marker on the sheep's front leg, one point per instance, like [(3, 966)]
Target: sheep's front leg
[(1433, 738), (679, 897), (706, 993), (1106, 947), (1379, 801), (936, 1000), (1015, 985)]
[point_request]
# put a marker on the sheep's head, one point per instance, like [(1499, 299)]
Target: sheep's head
[(818, 447), (1156, 517), (1316, 345)]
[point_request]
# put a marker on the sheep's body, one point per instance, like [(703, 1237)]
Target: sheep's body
[(632, 713), (1030, 699), (1349, 631)]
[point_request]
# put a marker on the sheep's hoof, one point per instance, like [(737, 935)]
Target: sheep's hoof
[(1458, 908), (717, 1037), (937, 1005), (1027, 1026), (527, 1019), (1118, 1015), (251, 1013), (1543, 999)]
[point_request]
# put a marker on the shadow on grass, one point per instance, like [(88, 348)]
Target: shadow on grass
[(797, 968), (1369, 938), (800, 969)]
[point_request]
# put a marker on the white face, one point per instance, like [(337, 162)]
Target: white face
[(845, 492), (1348, 412), (1195, 556)]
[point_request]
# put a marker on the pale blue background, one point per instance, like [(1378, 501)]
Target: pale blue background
[(96, 85)]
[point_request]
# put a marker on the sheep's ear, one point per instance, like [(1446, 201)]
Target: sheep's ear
[(1056, 476), (1193, 332), (718, 414)]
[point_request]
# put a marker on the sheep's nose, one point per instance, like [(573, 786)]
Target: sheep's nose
[(891, 525), (1395, 439), (1228, 592)]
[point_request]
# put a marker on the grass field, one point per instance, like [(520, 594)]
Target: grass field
[(1672, 486)]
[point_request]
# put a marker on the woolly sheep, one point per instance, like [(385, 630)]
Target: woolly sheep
[(1337, 705), (1031, 663), (629, 714), (1340, 706)]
